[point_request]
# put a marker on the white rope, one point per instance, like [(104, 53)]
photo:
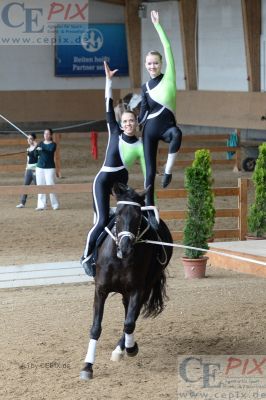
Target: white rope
[(11, 123), (183, 246), (77, 125), (62, 128), (204, 251)]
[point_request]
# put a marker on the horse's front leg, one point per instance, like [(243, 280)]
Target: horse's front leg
[(134, 306), (118, 352), (96, 329)]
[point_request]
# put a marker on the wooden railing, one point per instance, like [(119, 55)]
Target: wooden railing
[(239, 192), (59, 188), (190, 143), (8, 160), (214, 143), (240, 212)]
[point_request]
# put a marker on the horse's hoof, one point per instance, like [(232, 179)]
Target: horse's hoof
[(132, 351), (117, 354), (86, 373)]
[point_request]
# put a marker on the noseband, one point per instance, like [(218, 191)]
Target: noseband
[(121, 235)]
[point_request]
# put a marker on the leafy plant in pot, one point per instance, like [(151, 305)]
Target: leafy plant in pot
[(257, 210), (200, 214)]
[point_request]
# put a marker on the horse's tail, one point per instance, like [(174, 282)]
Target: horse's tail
[(157, 296)]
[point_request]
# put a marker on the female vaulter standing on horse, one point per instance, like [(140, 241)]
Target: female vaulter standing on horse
[(157, 111), (123, 149)]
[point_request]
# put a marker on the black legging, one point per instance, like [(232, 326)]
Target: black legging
[(102, 187), (154, 130), (29, 177)]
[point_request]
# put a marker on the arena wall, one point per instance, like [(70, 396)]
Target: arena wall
[(29, 91), (56, 105), (241, 110)]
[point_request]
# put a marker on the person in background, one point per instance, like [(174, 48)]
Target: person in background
[(45, 169), (119, 109), (124, 148), (157, 111), (30, 173)]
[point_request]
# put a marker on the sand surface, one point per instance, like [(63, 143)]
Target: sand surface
[(44, 330)]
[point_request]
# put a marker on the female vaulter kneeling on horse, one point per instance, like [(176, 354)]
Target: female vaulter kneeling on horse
[(123, 149)]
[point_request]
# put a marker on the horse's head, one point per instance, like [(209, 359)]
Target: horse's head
[(128, 218)]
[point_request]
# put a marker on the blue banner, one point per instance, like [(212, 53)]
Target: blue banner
[(80, 49)]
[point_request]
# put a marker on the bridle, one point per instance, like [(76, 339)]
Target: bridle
[(123, 234), (118, 236)]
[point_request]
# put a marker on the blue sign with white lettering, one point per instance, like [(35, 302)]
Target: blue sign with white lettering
[(81, 49)]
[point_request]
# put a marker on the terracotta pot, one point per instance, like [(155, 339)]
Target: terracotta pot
[(194, 267)]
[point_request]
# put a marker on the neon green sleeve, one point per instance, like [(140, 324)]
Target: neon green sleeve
[(165, 92)]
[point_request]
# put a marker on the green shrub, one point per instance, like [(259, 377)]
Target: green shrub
[(257, 211), (200, 204)]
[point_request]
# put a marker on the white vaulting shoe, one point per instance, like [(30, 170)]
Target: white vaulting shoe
[(20, 205)]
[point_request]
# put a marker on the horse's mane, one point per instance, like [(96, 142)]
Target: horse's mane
[(126, 193)]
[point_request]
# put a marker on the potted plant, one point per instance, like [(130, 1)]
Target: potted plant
[(200, 214), (257, 211)]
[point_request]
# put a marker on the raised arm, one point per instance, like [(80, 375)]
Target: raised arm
[(170, 64), (110, 114), (167, 96), (108, 84)]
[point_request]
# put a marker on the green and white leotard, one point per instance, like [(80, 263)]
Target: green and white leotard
[(157, 116), (121, 152)]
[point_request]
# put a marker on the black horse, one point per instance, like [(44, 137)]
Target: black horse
[(128, 265)]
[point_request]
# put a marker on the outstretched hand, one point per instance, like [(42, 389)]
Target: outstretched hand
[(155, 17), (108, 73)]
